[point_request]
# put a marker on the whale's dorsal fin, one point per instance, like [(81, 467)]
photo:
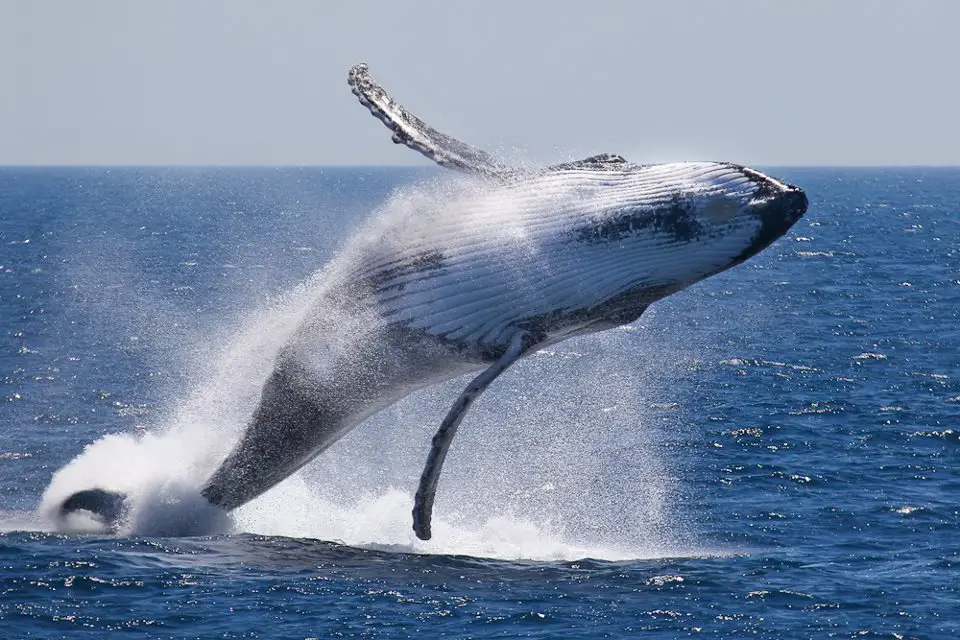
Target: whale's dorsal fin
[(521, 342), (610, 161), (413, 132)]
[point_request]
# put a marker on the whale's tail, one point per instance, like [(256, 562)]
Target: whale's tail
[(109, 507)]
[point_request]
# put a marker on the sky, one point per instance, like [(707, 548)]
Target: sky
[(835, 82)]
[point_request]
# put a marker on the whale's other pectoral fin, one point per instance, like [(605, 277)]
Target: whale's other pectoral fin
[(609, 161), (413, 132), (423, 502)]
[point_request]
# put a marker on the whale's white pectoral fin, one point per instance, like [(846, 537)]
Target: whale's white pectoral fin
[(423, 501), (413, 132)]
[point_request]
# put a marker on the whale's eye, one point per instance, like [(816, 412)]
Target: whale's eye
[(721, 209)]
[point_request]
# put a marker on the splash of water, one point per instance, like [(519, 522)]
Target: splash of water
[(555, 462)]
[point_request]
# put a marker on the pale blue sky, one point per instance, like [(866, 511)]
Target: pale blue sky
[(243, 82)]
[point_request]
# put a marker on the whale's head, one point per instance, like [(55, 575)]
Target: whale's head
[(661, 228)]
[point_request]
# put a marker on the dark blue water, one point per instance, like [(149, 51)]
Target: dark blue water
[(772, 453)]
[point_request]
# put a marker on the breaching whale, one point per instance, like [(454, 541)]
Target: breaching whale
[(514, 261)]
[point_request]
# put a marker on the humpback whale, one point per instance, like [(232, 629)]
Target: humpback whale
[(511, 261)]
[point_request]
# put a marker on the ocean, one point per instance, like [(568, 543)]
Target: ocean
[(772, 453)]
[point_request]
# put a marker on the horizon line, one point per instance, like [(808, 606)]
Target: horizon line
[(419, 166)]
